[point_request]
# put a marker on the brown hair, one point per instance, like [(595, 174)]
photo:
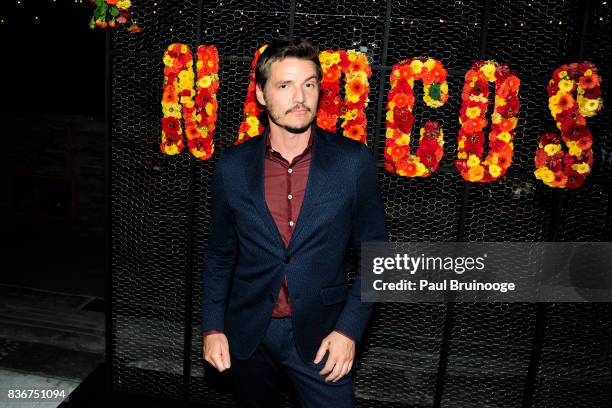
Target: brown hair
[(282, 48)]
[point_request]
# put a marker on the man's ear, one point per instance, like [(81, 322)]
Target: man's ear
[(260, 96)]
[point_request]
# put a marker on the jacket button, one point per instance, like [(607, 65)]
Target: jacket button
[(271, 298), (286, 259)]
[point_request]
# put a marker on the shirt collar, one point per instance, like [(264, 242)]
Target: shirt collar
[(269, 145)]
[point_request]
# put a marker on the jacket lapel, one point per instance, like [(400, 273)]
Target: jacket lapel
[(318, 177)]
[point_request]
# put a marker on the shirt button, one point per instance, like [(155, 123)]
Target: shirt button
[(290, 196), (290, 170), (291, 223)]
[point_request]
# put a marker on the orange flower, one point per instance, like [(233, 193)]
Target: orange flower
[(559, 180), (400, 100), (504, 158), (170, 95), (251, 108), (331, 75), (590, 81), (474, 125), (357, 87), (355, 132), (111, 2), (405, 72), (476, 173), (565, 102), (397, 152)]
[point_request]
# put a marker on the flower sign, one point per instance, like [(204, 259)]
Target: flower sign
[(574, 94)]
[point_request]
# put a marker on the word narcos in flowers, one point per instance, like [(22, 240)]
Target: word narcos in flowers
[(400, 102), (474, 103), (555, 167), (199, 108)]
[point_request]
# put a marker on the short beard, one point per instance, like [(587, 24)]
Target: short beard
[(271, 118)]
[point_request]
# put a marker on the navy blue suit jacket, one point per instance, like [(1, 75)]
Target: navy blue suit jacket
[(245, 258)]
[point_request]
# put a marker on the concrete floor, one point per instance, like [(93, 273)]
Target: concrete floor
[(52, 327)]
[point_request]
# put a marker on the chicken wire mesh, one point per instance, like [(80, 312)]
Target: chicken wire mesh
[(413, 355)]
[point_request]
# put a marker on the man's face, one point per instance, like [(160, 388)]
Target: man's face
[(291, 94)]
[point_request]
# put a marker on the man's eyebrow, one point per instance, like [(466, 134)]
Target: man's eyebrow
[(288, 81)]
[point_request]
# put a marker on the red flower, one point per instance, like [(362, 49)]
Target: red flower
[(171, 125)]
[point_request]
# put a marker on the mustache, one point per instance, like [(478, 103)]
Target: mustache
[(303, 107)]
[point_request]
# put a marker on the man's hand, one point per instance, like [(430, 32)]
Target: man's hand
[(341, 355), (216, 351)]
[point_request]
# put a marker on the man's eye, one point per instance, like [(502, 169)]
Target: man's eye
[(283, 86)]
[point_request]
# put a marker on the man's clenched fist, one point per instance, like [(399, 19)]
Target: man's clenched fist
[(216, 351)]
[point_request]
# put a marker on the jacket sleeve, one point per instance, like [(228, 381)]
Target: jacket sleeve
[(219, 256), (368, 223)]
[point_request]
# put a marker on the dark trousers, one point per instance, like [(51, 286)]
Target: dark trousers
[(259, 380)]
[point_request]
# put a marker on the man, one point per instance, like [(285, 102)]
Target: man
[(275, 301)]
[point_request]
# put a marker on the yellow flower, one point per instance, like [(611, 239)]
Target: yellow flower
[(562, 74), (588, 72), (494, 158), (403, 140), (472, 112), (494, 170), (430, 63), (411, 82), (168, 60), (588, 107), (351, 97), (444, 87), (473, 160), (351, 114), (478, 98), (335, 58), (171, 110), (361, 76), (416, 66), (420, 169), (552, 149), (253, 131), (205, 81), (252, 121), (496, 118), (326, 59), (462, 155), (187, 101), (545, 174), (574, 150), (489, 70), (185, 79), (124, 4), (505, 136), (209, 108), (352, 55), (566, 85), (476, 173), (199, 64), (389, 118), (581, 167), (171, 149), (462, 143), (499, 101)]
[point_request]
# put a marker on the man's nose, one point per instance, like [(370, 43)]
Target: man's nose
[(298, 95)]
